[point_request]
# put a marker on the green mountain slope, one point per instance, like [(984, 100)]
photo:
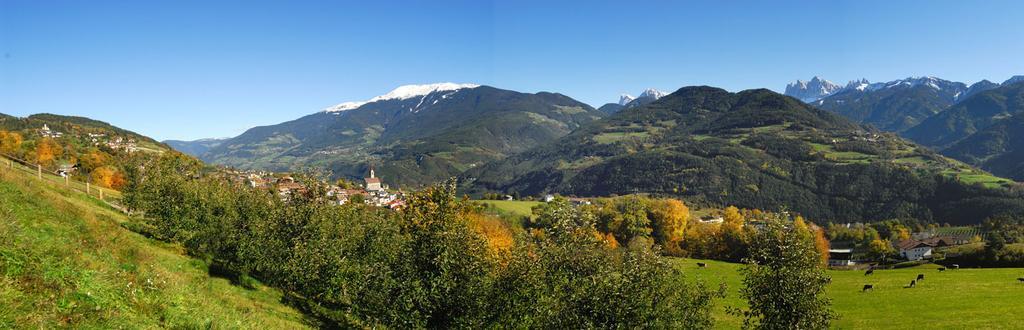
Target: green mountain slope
[(972, 115), (194, 148), (754, 149), (998, 148), (414, 141), (65, 262)]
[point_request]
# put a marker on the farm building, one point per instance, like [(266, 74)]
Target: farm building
[(912, 249), (840, 257)]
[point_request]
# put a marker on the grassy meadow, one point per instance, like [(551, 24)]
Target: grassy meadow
[(520, 208), (66, 262), (954, 299)]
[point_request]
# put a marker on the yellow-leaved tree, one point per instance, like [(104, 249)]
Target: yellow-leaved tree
[(10, 143), (495, 232), (669, 218), (733, 238), (821, 244), (47, 151)]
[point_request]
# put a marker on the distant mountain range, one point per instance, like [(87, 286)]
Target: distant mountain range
[(813, 90), (195, 147), (937, 113), (893, 106), (416, 134), (628, 101), (755, 149)]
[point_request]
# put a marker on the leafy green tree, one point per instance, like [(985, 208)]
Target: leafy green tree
[(784, 282), (880, 249)]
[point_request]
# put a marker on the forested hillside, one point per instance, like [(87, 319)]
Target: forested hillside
[(972, 115), (754, 149), (998, 148)]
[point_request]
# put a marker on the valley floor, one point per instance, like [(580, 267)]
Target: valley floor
[(65, 261), (954, 299)]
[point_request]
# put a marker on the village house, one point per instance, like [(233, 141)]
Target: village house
[(286, 187), (913, 249)]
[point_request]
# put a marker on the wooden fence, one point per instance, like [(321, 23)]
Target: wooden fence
[(53, 176)]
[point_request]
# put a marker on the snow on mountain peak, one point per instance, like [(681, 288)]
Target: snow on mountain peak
[(403, 93), (813, 90), (624, 99), (653, 93)]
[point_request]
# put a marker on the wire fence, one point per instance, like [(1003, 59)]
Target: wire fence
[(55, 177)]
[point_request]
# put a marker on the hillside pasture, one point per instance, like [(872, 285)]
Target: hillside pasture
[(67, 262), (953, 299)]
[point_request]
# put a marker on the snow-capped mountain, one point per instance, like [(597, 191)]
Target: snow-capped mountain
[(624, 99), (895, 105), (403, 93), (653, 93), (813, 90), (628, 101), (648, 96)]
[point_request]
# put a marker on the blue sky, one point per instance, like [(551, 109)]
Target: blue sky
[(195, 69)]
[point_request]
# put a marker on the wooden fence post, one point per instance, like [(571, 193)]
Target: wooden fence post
[(87, 190), (101, 193), (39, 171)]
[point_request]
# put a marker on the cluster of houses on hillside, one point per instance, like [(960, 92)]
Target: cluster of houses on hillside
[(121, 143), (126, 144), (372, 192), (47, 132)]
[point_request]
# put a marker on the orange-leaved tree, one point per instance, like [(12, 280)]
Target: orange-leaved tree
[(10, 143), (108, 176), (48, 151)]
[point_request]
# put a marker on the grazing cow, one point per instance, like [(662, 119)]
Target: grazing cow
[(702, 265), (869, 272), (920, 277), (868, 287), (913, 283), (942, 269), (1021, 279), (955, 266)]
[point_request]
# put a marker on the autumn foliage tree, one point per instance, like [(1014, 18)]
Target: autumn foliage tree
[(109, 177), (47, 151), (93, 159), (10, 143), (669, 219)]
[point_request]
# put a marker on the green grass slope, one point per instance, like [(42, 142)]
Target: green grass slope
[(65, 261), (954, 299)]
